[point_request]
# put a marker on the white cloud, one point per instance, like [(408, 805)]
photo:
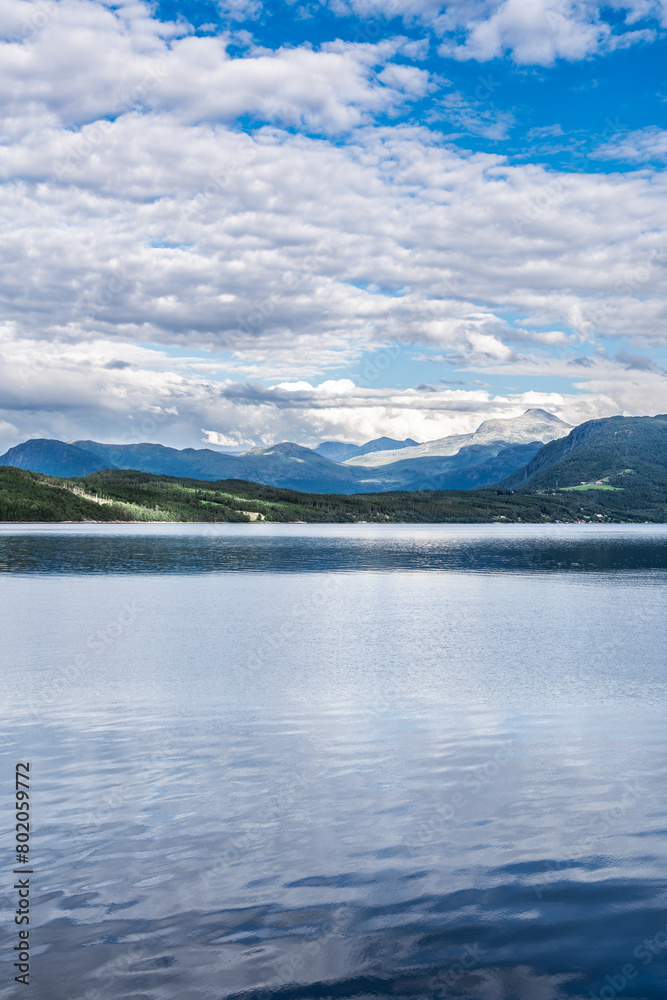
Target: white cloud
[(532, 32), (130, 60), (646, 145), (544, 132), (240, 10), (287, 255), (538, 32), (330, 387), (491, 347), (119, 392), (283, 245)]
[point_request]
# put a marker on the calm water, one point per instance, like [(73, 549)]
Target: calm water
[(339, 761)]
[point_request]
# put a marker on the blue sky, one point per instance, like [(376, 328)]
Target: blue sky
[(555, 114), (240, 222)]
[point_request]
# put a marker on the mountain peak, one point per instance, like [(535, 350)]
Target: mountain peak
[(283, 448), (53, 458), (535, 424), (537, 411), (340, 451)]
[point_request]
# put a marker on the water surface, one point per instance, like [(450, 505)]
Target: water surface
[(340, 761)]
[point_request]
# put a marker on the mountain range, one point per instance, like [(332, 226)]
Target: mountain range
[(495, 450), (613, 469)]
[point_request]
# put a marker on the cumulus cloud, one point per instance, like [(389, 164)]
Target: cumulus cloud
[(535, 32), (132, 61), (127, 394), (531, 32), (278, 244)]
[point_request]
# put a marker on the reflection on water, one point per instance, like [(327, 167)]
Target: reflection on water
[(330, 548), (380, 784), (340, 855)]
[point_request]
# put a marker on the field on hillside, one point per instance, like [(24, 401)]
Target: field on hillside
[(591, 486)]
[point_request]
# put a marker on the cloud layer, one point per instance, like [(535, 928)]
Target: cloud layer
[(143, 221)]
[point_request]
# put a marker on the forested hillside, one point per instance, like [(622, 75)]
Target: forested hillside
[(119, 495)]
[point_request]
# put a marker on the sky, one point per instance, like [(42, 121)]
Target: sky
[(227, 224)]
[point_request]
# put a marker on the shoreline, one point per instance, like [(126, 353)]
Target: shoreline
[(377, 524)]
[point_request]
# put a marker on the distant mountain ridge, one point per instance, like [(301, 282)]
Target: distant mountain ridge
[(339, 451), (53, 458), (496, 449), (533, 425)]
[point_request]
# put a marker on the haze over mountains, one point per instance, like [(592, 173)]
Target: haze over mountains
[(496, 449), (533, 425), (341, 451)]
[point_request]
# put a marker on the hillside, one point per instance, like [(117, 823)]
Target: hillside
[(119, 495), (285, 465), (623, 456), (29, 496), (485, 459)]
